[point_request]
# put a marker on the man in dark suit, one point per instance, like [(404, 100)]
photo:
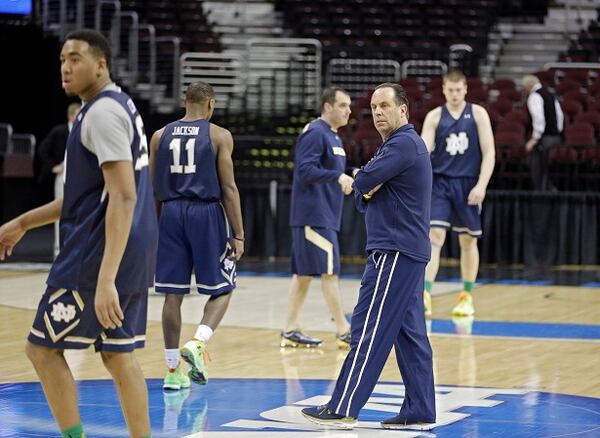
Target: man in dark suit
[(51, 154)]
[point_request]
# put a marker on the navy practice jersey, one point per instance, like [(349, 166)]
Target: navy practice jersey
[(185, 165), (83, 216), (397, 215), (320, 159), (457, 152)]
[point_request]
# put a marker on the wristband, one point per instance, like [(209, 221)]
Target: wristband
[(241, 239)]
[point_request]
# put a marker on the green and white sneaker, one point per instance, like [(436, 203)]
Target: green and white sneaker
[(176, 379), (464, 307), (195, 354)]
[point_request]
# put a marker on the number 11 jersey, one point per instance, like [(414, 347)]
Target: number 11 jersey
[(186, 165)]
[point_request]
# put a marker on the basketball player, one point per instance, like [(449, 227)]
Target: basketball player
[(192, 170), (97, 290), (460, 139), (318, 190), (394, 190)]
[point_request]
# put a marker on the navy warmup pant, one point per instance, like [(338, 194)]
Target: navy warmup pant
[(389, 312)]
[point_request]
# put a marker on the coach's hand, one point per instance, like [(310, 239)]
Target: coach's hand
[(106, 303), (10, 234), (346, 182)]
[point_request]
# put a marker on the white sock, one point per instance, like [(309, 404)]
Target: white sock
[(203, 333), (172, 357)]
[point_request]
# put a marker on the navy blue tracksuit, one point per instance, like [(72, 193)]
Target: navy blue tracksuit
[(390, 303)]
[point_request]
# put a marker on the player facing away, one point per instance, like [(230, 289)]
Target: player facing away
[(460, 139), (97, 289), (394, 191), (318, 190), (192, 170)]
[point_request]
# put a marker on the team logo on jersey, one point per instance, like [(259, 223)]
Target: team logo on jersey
[(457, 144)]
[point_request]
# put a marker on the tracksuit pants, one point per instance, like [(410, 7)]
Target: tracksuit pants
[(389, 312)]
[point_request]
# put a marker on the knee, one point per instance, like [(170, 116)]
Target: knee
[(116, 361), (173, 300), (437, 236), (39, 354), (221, 297), (467, 243), (303, 280)]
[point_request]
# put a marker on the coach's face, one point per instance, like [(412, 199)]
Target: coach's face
[(387, 114), (80, 69)]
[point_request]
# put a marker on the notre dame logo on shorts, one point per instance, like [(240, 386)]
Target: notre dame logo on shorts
[(63, 312), (457, 143)]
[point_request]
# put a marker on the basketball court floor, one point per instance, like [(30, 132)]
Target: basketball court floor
[(526, 366)]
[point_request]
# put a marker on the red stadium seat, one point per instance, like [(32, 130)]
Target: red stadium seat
[(591, 117), (546, 77), (502, 105), (521, 117), (579, 134), (571, 108), (511, 94), (501, 84), (577, 95), (567, 85)]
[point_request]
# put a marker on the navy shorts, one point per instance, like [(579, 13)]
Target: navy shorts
[(66, 320), (194, 235), (315, 251), (449, 207)]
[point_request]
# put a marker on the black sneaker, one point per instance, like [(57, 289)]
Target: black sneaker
[(398, 422), (296, 338), (324, 416), (343, 341)]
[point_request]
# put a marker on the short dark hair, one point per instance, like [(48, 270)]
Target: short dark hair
[(329, 94), (98, 43), (199, 92), (400, 96)]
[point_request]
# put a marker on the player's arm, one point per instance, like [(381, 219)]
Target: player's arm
[(119, 181), (488, 154), (223, 142), (12, 231), (432, 119), (154, 143)]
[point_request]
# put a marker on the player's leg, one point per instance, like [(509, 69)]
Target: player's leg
[(333, 298), (131, 387), (215, 276), (441, 212), (117, 348), (58, 385), (297, 296), (469, 266), (468, 224), (65, 319), (173, 272), (305, 264), (437, 237), (330, 284)]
